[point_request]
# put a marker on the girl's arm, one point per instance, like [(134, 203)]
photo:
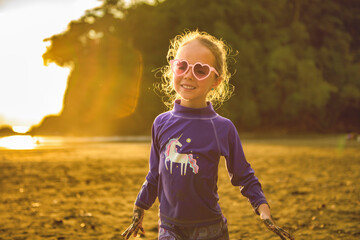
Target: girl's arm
[(265, 216), (148, 192), (264, 212)]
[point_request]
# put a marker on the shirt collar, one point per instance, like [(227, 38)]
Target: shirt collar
[(181, 111)]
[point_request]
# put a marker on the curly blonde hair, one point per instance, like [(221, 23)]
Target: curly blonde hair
[(220, 51)]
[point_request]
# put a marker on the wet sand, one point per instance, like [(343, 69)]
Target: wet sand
[(86, 191)]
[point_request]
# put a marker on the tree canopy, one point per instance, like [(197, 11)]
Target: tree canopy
[(295, 63)]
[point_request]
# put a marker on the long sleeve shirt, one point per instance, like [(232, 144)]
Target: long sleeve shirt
[(186, 148)]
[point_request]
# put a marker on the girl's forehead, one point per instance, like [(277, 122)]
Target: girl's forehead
[(194, 52)]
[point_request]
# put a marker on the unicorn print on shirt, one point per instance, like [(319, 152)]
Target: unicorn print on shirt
[(172, 155)]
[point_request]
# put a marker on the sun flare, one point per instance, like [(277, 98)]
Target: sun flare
[(18, 142), (21, 129), (29, 90)]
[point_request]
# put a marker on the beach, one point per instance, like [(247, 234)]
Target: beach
[(86, 190)]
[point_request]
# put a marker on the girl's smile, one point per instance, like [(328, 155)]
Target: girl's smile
[(188, 87)]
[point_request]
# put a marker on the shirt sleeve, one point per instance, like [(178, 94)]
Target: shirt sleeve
[(148, 192), (240, 172)]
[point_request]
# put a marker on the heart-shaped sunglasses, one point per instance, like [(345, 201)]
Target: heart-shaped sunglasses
[(199, 70)]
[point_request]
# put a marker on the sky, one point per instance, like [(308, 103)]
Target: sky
[(28, 89)]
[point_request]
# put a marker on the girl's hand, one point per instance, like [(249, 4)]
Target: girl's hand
[(265, 216), (279, 231), (136, 224)]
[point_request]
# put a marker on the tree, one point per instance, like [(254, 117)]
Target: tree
[(288, 71)]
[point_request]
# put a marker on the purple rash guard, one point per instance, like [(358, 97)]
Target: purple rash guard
[(185, 151)]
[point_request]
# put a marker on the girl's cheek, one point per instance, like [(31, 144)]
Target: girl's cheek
[(176, 80)]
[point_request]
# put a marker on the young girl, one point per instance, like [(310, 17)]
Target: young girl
[(186, 146)]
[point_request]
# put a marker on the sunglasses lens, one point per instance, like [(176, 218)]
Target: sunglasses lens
[(179, 67), (201, 71)]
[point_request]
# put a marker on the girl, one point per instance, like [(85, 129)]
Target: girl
[(186, 146)]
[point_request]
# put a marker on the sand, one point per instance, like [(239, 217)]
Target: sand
[(86, 191)]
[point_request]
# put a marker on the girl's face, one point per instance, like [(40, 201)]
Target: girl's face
[(193, 92)]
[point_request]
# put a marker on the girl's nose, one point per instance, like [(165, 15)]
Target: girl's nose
[(189, 73)]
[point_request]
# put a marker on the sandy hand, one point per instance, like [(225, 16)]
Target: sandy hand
[(136, 224), (279, 231)]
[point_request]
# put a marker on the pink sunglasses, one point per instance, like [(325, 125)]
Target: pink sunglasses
[(199, 70)]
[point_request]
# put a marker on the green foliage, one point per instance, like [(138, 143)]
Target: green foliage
[(296, 62)]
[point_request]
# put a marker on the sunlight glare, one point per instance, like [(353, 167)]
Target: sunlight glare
[(21, 129), (29, 90), (18, 142)]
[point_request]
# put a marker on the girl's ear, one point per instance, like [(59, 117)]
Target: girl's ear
[(217, 82)]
